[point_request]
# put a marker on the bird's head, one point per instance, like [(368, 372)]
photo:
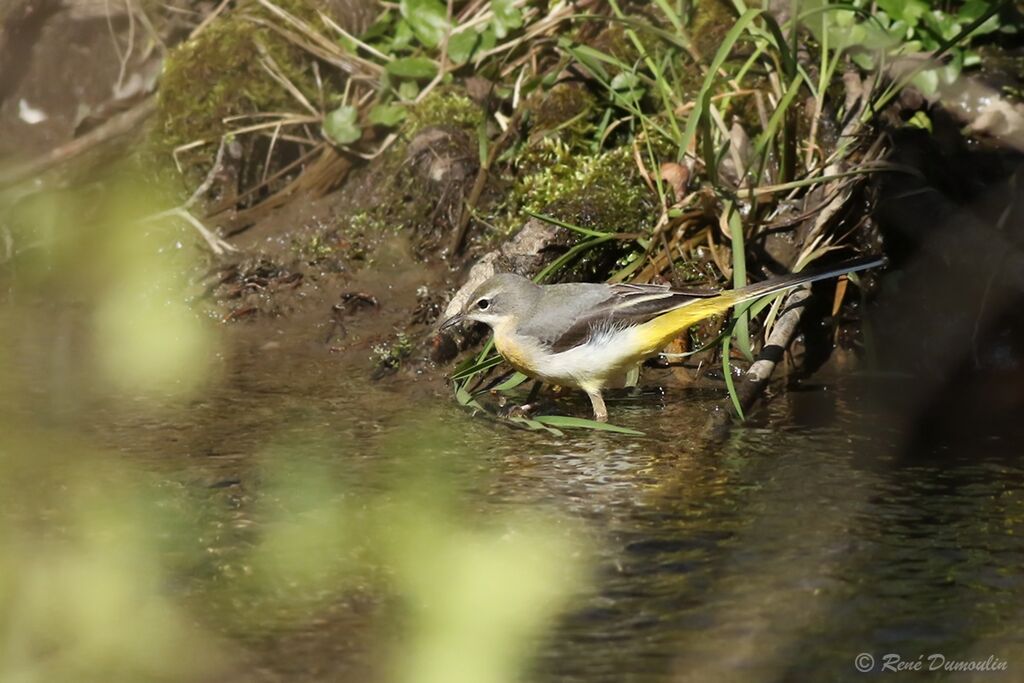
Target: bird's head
[(500, 300)]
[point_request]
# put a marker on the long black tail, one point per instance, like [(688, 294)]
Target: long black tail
[(778, 284)]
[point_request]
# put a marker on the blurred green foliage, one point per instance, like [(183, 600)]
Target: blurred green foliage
[(119, 562)]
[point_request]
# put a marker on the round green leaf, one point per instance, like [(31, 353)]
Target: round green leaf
[(625, 80), (389, 115), (341, 125), (408, 90), (506, 17), (462, 45), (428, 19)]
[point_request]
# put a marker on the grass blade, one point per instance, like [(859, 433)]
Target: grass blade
[(535, 425), (727, 370), (570, 255), (739, 278), (703, 100), (476, 368), (583, 423), (512, 382)]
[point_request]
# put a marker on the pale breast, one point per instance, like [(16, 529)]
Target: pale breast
[(603, 359), (527, 356)]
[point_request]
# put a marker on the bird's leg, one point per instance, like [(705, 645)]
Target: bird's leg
[(525, 409), (600, 412)]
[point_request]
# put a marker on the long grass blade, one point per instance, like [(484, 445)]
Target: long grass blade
[(477, 368), (583, 423), (700, 109), (727, 371)]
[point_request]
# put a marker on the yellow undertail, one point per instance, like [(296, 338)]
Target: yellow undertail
[(655, 334)]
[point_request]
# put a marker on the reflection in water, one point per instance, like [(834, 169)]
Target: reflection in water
[(320, 526)]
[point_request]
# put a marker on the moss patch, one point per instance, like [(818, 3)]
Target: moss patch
[(712, 20), (567, 108), (602, 191), (443, 107), (219, 74)]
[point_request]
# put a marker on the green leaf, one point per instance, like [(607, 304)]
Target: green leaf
[(381, 28), (512, 382), (388, 115), (920, 120), (341, 125), (865, 60), (487, 39), (562, 224), (507, 17), (627, 88), (403, 36), (727, 371), (533, 424), (973, 10), (408, 90), (348, 43), (703, 100), (476, 368), (466, 399), (581, 423), (909, 11), (625, 80), (927, 81), (462, 45), (568, 256), (418, 68), (590, 58), (739, 273), (427, 18)]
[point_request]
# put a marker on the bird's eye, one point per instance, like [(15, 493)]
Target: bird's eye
[(483, 304)]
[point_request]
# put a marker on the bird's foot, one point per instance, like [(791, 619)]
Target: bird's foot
[(526, 410)]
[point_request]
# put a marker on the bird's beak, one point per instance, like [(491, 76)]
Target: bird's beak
[(456, 319)]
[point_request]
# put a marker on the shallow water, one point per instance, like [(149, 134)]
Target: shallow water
[(812, 534)]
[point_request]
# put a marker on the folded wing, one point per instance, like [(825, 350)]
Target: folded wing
[(585, 310)]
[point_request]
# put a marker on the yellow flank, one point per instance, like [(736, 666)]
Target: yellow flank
[(655, 334)]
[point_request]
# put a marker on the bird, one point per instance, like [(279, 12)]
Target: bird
[(592, 335)]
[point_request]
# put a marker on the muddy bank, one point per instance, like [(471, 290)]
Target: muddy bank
[(353, 186)]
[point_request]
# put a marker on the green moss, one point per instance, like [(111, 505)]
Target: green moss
[(443, 106), (219, 74), (712, 20), (612, 40), (567, 108), (602, 191)]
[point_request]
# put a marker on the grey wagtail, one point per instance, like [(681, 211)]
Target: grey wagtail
[(590, 336)]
